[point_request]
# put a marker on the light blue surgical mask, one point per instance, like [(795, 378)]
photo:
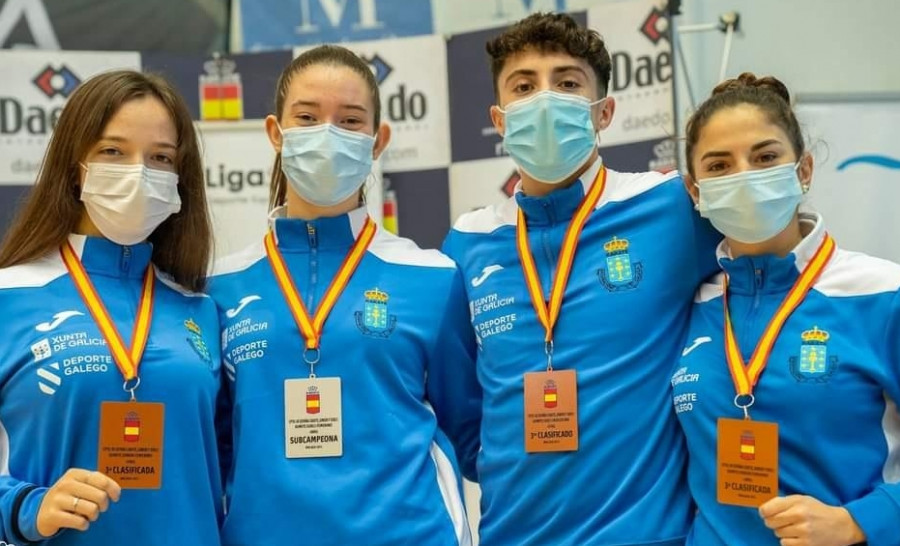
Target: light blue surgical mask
[(550, 135), (325, 164), (752, 206)]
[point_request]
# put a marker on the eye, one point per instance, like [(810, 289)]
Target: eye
[(110, 151), (716, 167), (163, 159), (569, 85), (767, 157), (305, 119), (352, 122), (523, 87)]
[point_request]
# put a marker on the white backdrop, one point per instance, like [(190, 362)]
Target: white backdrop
[(856, 183)]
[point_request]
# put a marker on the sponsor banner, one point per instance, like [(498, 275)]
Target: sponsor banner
[(472, 93), (477, 184), (225, 88), (190, 26), (283, 24), (35, 87), (422, 207), (412, 78), (11, 200), (238, 160), (453, 16), (647, 155), (856, 180), (636, 34)]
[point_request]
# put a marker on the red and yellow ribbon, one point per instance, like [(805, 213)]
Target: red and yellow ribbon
[(745, 376), (548, 315), (311, 328), (128, 360)]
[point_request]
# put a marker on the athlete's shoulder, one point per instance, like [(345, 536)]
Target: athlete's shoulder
[(402, 251), (857, 274), (240, 260), (488, 219), (623, 186), (34, 274)]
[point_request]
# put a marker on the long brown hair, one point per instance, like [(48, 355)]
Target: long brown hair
[(181, 245), (330, 55)]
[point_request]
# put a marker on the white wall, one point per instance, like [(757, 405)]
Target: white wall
[(814, 46)]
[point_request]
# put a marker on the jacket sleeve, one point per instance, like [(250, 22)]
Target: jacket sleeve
[(452, 384), (878, 513), (19, 505)]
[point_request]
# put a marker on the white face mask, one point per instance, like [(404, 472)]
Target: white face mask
[(128, 202)]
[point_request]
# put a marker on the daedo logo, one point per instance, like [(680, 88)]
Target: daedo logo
[(57, 82), (17, 118), (404, 104), (644, 70)]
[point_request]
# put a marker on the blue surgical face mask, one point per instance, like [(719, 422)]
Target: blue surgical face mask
[(550, 135), (752, 206), (324, 164)]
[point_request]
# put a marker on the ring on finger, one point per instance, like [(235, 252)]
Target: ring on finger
[(75, 501)]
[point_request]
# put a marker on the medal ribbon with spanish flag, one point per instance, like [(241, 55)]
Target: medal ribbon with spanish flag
[(128, 360), (746, 376), (311, 328), (549, 314)]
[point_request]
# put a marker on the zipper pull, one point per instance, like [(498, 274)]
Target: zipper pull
[(126, 258), (311, 233)]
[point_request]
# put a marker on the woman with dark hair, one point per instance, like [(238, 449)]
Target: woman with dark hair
[(348, 351), (109, 364), (787, 393)]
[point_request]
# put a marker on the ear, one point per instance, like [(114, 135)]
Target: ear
[(273, 132), (382, 139), (498, 118), (691, 188), (805, 171), (603, 113)]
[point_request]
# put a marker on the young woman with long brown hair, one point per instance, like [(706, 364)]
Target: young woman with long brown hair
[(345, 427), (109, 363)]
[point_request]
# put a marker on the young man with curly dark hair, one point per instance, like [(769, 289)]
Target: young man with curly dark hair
[(579, 287)]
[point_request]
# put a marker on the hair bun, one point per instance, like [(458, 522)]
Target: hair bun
[(749, 80)]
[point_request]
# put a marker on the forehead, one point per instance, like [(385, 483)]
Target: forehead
[(737, 128), (322, 81), (142, 117), (542, 62)]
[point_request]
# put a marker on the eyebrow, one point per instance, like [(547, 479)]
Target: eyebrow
[(569, 68), (118, 139), (753, 148), (314, 104)]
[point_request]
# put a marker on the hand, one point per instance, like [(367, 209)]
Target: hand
[(799, 520), (75, 500)]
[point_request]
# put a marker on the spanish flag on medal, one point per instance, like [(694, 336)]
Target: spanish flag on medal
[(312, 400), (132, 427)]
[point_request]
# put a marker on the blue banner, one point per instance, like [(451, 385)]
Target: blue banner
[(282, 24)]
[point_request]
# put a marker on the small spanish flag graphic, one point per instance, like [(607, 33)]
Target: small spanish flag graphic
[(221, 101), (748, 446), (312, 400), (132, 432), (550, 398)]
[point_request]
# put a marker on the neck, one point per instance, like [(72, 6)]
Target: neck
[(781, 245), (536, 188), (86, 226), (297, 207)]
